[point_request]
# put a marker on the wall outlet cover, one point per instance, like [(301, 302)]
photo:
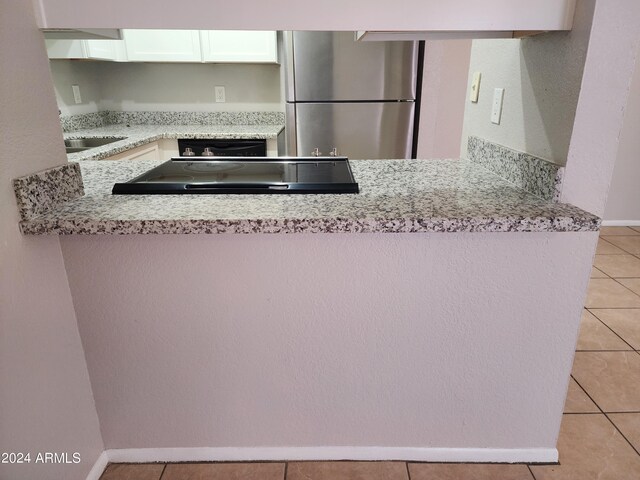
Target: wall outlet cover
[(220, 94), (496, 108)]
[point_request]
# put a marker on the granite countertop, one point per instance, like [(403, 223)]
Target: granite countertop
[(137, 135), (396, 196)]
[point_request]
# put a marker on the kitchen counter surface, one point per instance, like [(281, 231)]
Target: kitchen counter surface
[(137, 135), (397, 196)]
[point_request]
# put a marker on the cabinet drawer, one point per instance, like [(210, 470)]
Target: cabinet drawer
[(150, 151)]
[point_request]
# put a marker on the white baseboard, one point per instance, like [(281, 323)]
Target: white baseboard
[(621, 223), (473, 455), (99, 466)]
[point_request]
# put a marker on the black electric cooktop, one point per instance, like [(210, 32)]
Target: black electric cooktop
[(200, 175)]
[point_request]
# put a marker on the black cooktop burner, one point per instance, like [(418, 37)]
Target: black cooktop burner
[(251, 175)]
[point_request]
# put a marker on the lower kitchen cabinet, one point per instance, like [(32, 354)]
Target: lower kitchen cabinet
[(150, 151), (167, 148), (163, 149)]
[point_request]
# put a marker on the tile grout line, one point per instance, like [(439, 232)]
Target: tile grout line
[(620, 432), (625, 278), (163, 470), (608, 350), (610, 308), (607, 237), (533, 475), (584, 413), (606, 416), (286, 468), (605, 275), (614, 332), (614, 245), (587, 394), (406, 464)]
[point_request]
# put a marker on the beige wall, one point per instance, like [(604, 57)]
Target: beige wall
[(84, 74), (444, 85), (541, 76), (623, 202), (165, 86), (46, 402)]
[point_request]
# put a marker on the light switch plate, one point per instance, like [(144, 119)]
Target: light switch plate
[(76, 93), (475, 87), (496, 109), (220, 94)]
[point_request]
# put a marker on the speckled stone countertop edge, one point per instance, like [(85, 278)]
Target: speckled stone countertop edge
[(298, 226), (396, 196)]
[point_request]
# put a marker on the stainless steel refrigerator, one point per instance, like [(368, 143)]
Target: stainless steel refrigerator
[(347, 97)]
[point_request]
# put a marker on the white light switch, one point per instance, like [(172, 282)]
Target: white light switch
[(76, 93), (496, 110), (475, 87), (220, 94)]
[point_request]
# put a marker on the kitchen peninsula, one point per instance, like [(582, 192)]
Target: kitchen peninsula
[(313, 345)]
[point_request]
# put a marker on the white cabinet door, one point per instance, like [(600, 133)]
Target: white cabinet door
[(66, 49), (150, 151), (239, 46), (106, 50), (94, 49), (162, 45)]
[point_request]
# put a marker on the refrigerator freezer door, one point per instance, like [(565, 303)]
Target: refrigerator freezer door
[(332, 66), (355, 130)]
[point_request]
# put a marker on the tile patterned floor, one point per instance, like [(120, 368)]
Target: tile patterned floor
[(600, 433)]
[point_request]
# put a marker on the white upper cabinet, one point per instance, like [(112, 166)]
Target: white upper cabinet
[(89, 49), (162, 45), (106, 50), (66, 49), (189, 46), (239, 46)]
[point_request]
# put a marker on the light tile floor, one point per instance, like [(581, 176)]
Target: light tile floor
[(600, 433)]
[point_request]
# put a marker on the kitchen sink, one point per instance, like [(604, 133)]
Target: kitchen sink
[(81, 144)]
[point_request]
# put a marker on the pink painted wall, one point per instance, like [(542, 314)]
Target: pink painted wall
[(444, 87), (330, 340), (623, 201), (611, 59), (46, 403)]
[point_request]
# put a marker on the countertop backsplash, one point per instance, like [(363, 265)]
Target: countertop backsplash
[(72, 123), (532, 174)]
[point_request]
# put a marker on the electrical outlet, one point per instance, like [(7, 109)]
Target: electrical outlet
[(496, 110), (475, 87), (76, 93), (220, 94)]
